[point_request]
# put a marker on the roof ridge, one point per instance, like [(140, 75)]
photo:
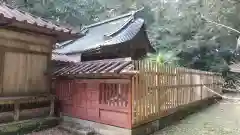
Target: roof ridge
[(107, 60), (108, 20), (131, 13), (120, 29)]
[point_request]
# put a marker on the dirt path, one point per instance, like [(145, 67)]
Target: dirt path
[(222, 118)]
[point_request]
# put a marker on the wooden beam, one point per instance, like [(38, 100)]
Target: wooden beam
[(26, 45), (98, 75), (22, 36), (21, 50), (117, 81), (58, 36), (26, 99)]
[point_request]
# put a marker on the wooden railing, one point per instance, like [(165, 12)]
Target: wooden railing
[(25, 107), (157, 90)]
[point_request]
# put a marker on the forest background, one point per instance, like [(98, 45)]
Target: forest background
[(180, 30)]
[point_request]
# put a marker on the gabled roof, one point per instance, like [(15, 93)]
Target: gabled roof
[(106, 66), (109, 32), (13, 17)]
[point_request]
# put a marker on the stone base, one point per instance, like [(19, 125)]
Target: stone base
[(148, 128), (230, 91), (28, 126), (98, 127)]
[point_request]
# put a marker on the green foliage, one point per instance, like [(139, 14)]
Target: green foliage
[(176, 28), (164, 58), (199, 44)]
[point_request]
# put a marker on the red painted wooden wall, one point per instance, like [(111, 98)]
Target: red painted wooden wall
[(105, 101)]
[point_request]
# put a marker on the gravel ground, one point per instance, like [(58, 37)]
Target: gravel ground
[(53, 131), (219, 119), (222, 118)]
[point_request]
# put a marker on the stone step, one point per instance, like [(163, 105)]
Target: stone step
[(76, 129)]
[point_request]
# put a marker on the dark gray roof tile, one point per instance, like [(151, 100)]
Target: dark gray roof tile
[(111, 32), (120, 65)]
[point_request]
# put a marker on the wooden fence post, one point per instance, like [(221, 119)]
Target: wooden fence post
[(158, 88), (130, 104)]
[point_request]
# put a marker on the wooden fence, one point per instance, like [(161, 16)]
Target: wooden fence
[(153, 91), (157, 90)]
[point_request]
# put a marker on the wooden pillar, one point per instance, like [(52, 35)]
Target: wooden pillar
[(130, 89), (51, 108), (16, 111)]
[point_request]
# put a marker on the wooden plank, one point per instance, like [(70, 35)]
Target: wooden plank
[(158, 81), (21, 71), (25, 99), (165, 85), (138, 92), (29, 72), (155, 103), (2, 61), (184, 91), (177, 88), (10, 65), (141, 90), (151, 83), (173, 90), (118, 81), (146, 105)]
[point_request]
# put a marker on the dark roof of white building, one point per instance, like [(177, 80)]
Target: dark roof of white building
[(109, 32)]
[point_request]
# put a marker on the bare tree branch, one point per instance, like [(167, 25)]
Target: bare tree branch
[(228, 27)]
